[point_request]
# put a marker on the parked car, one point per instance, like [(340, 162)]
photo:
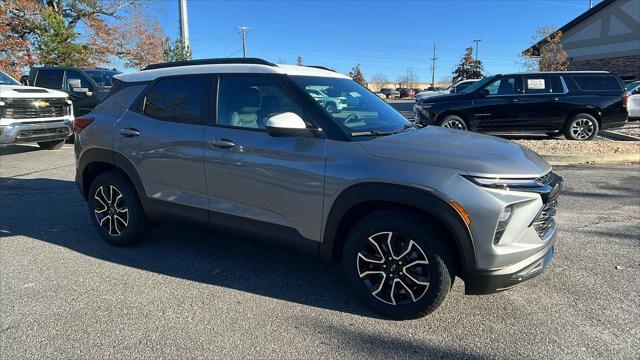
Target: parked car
[(242, 144), (86, 86), (381, 95), (406, 93), (33, 115), (633, 100), (577, 104), (333, 104), (390, 93), (453, 89)]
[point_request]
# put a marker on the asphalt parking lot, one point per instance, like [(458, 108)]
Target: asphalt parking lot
[(189, 293)]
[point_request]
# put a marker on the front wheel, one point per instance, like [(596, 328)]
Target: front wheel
[(398, 264), (581, 127), (454, 122), (115, 210), (332, 108)]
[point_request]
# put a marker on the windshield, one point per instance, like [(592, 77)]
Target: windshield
[(476, 85), (7, 80), (101, 77), (352, 107)]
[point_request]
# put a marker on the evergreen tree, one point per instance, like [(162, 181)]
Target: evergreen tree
[(175, 51), (469, 68), (357, 76), (299, 61)]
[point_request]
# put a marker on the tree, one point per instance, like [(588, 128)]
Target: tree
[(357, 76), (175, 51), (299, 61), (409, 79), (378, 81), (469, 68), (76, 32), (549, 53)]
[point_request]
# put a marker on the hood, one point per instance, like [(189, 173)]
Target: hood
[(475, 154), (29, 92)]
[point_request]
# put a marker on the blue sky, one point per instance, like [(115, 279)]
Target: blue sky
[(383, 36)]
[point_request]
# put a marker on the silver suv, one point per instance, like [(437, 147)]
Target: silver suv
[(240, 143)]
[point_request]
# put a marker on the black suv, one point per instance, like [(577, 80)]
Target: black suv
[(86, 86), (578, 104)]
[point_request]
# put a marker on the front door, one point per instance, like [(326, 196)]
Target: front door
[(83, 102), (255, 179), (164, 142), (499, 109)]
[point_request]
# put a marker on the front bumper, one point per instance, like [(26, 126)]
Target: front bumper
[(35, 131)]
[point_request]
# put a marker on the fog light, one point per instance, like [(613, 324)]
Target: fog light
[(503, 221)]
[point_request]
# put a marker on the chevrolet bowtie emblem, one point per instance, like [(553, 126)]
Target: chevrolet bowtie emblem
[(41, 104)]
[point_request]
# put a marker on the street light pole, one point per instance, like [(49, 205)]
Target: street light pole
[(477, 41)]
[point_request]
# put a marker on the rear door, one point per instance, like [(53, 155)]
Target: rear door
[(257, 180), (543, 103), (163, 138), (500, 109)]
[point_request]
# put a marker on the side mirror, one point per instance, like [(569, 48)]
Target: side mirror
[(483, 93), (75, 85), (286, 124), (452, 91)]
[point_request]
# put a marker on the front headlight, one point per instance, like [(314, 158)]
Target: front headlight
[(497, 183)]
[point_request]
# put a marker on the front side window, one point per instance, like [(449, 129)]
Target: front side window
[(84, 82), (351, 106), (50, 79), (249, 101), (7, 80), (102, 77), (503, 86), (177, 100)]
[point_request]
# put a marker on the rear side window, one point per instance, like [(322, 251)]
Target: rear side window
[(177, 100), (597, 82), (543, 84), (50, 79)]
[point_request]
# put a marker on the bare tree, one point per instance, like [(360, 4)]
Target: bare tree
[(409, 79), (547, 54), (378, 81)]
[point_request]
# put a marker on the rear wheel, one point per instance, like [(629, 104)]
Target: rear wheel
[(454, 122), (398, 264), (115, 210), (581, 127), (51, 145)]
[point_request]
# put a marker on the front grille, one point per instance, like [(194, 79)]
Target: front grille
[(545, 219), (35, 108), (42, 132)]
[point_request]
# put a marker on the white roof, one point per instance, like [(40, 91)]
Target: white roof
[(294, 70)]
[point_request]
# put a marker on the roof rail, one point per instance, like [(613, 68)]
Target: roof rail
[(254, 61), (320, 67)]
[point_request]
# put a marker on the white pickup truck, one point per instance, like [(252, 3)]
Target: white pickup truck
[(33, 115)]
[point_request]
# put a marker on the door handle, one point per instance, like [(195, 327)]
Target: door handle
[(222, 143), (129, 132), (556, 99), (514, 100)]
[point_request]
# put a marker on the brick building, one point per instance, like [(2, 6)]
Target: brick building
[(605, 37)]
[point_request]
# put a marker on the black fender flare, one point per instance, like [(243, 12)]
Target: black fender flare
[(421, 199)]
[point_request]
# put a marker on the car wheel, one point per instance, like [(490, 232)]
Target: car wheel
[(397, 264), (581, 127), (454, 122), (331, 108), (51, 145), (115, 210)]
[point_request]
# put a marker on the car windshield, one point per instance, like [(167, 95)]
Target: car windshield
[(101, 77), (476, 85), (7, 80), (352, 107)]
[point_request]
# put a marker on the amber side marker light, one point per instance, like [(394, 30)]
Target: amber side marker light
[(456, 205)]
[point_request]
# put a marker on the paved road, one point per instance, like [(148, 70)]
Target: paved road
[(188, 293)]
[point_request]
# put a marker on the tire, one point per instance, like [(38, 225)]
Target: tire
[(582, 127), (417, 241), (331, 108), (454, 122), (51, 145), (120, 220)]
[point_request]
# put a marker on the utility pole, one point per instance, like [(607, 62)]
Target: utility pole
[(184, 23), (590, 4), (243, 32), (433, 66), (477, 41)]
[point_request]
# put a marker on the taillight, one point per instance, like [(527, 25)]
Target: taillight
[(625, 98), (81, 122)]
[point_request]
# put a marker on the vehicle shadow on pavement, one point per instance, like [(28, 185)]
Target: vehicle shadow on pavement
[(204, 255), (17, 149)]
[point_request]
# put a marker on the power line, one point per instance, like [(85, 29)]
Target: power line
[(243, 32)]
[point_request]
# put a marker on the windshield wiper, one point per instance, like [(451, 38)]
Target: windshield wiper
[(370, 133)]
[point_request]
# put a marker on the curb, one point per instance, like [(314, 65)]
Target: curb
[(618, 136), (555, 159)]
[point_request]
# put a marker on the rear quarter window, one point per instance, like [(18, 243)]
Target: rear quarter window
[(597, 82)]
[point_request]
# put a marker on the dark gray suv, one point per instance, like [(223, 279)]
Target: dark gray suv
[(240, 143)]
